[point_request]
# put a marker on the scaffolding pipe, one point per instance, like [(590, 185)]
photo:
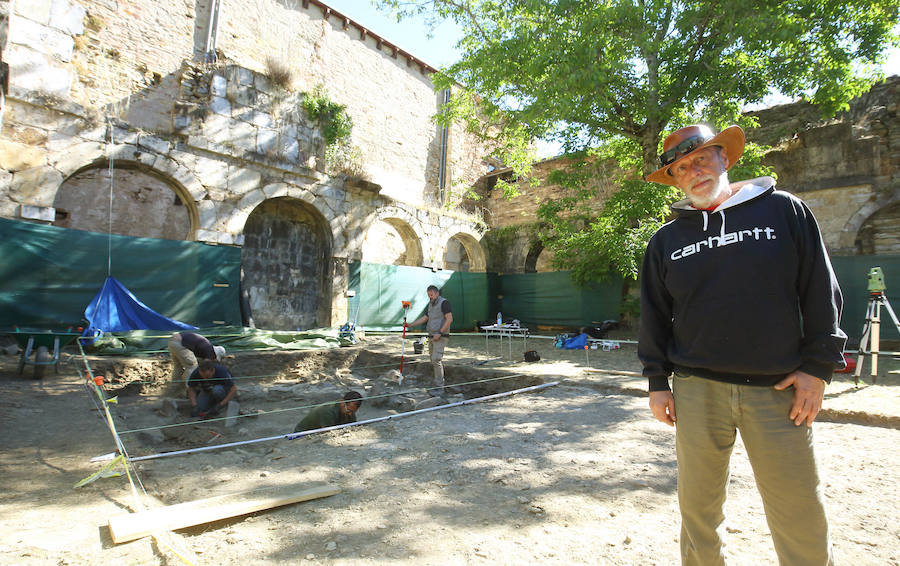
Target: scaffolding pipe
[(295, 435)]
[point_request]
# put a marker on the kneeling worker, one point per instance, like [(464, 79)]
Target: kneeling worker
[(210, 388), (332, 414)]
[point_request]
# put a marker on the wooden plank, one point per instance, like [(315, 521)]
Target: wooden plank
[(133, 526), (615, 372)]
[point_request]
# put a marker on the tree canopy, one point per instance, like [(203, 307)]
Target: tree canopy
[(608, 79)]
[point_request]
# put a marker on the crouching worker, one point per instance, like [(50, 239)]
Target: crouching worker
[(332, 414), (188, 348), (210, 388)]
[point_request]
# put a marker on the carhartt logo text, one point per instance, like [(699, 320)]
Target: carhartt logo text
[(726, 239)]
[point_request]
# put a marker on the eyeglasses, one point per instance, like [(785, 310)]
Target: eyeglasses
[(682, 149)]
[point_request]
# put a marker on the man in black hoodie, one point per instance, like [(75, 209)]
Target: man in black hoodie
[(740, 305)]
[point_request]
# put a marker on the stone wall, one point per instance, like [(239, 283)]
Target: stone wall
[(82, 202), (4, 66), (521, 253), (846, 168), (286, 261), (139, 84)]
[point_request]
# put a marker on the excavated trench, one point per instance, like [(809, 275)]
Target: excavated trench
[(276, 388)]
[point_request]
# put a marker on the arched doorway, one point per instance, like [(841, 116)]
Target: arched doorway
[(464, 253), (391, 241), (287, 267), (538, 259), (880, 233), (455, 257), (144, 203), (543, 263), (532, 257)]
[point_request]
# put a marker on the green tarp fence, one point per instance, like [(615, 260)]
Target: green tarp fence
[(48, 275), (380, 289), (533, 298), (552, 299), (232, 338), (852, 274)]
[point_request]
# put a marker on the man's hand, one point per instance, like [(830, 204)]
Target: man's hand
[(436, 337), (662, 404), (809, 391)]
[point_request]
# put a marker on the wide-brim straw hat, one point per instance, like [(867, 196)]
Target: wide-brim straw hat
[(684, 141)]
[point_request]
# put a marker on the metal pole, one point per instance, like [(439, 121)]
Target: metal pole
[(295, 435), (876, 337)]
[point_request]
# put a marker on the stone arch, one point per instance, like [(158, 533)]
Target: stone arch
[(395, 228), (463, 252), (880, 233), (392, 241), (287, 264), (847, 243), (542, 262), (531, 258), (237, 218), (146, 202), (72, 159)]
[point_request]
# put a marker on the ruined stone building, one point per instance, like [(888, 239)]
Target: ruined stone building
[(846, 168), (191, 112)]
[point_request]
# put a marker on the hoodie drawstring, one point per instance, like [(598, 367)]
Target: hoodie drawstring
[(706, 221)]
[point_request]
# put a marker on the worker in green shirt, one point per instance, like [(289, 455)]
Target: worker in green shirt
[(342, 412)]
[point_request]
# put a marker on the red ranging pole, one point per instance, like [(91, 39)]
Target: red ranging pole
[(406, 305)]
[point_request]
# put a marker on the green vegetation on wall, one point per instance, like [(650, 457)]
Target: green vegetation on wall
[(331, 117)]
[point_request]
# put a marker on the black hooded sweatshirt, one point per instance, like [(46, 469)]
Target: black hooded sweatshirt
[(744, 294)]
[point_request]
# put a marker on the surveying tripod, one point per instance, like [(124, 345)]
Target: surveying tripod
[(873, 327)]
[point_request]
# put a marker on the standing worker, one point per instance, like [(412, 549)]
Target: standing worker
[(739, 301), (189, 347), (437, 320)]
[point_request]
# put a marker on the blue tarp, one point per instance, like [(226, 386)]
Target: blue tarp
[(576, 343), (115, 309)]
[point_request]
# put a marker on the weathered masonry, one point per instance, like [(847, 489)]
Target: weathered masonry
[(846, 168), (191, 113)]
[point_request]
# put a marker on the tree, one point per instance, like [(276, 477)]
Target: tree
[(610, 78)]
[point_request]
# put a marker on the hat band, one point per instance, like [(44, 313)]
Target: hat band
[(682, 149)]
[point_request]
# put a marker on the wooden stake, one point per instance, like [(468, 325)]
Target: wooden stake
[(130, 527), (616, 372)]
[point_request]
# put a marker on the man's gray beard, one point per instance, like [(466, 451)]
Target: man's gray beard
[(721, 188)]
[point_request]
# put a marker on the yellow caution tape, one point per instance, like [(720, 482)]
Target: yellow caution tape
[(106, 471)]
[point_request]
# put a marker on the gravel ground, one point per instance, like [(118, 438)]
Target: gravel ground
[(578, 473)]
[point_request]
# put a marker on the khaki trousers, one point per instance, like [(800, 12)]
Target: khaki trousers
[(183, 360), (436, 351), (781, 455)]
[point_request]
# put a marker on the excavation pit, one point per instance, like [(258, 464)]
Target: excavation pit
[(277, 388)]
